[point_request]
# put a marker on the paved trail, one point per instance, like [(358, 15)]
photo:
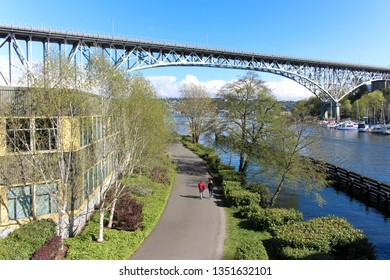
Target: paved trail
[(190, 228)]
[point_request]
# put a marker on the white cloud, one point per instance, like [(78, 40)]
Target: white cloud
[(165, 86), (168, 86), (288, 90), (284, 90)]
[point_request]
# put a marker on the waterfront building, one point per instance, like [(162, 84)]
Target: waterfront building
[(52, 163)]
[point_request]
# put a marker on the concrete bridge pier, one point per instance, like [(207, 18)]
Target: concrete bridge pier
[(337, 111)]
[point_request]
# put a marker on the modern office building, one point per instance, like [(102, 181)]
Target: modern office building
[(52, 163)]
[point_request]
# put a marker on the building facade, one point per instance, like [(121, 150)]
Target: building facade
[(52, 163)]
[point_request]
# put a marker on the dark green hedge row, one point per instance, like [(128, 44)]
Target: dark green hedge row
[(325, 237), (22, 243)]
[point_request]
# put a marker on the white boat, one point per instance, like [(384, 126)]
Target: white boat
[(378, 128), (332, 125), (362, 126), (386, 129), (348, 126)]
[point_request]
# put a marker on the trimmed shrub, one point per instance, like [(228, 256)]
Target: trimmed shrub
[(252, 249), (242, 197), (269, 218), (235, 195), (229, 186), (289, 253), (128, 213), (229, 175), (24, 241), (248, 211), (49, 250), (262, 190), (326, 235)]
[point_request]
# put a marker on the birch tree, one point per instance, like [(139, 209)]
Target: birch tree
[(110, 85), (145, 131)]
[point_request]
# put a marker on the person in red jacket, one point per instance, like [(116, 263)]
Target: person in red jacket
[(201, 187)]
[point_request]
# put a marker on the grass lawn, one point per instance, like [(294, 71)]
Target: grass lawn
[(120, 244), (237, 230)]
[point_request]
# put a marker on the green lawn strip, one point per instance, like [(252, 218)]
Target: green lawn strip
[(237, 231), (119, 244)]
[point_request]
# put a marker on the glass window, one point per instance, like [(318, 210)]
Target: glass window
[(88, 183), (98, 128), (46, 199), (18, 135), (86, 131), (105, 169), (19, 202), (45, 134)]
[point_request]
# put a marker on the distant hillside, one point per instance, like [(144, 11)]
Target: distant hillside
[(173, 104)]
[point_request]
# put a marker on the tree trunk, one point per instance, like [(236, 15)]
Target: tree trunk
[(101, 224), (278, 190), (112, 210)]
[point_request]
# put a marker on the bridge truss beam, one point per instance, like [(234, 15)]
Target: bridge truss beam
[(329, 81)]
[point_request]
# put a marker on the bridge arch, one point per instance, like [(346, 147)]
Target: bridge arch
[(312, 86), (329, 81)]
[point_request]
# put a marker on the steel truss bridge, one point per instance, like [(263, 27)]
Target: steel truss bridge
[(329, 81)]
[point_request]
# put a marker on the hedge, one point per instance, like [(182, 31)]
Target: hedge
[(247, 211), (22, 243), (236, 196), (269, 218), (326, 235), (251, 249)]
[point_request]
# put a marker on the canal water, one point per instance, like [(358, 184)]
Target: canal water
[(365, 153)]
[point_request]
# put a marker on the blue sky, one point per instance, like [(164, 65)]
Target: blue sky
[(345, 31)]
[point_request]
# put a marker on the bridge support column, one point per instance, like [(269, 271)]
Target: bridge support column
[(337, 111)]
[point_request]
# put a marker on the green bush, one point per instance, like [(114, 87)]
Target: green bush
[(252, 249), (248, 211), (235, 195), (242, 197), (262, 190), (229, 175), (22, 243), (269, 218), (289, 253), (229, 186), (326, 235)]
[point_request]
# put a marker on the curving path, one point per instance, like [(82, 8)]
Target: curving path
[(190, 228)]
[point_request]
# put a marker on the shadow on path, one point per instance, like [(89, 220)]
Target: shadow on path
[(190, 228)]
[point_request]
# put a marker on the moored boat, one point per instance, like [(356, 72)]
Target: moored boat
[(362, 126), (348, 126)]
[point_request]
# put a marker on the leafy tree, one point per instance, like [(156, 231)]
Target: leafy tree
[(109, 85), (307, 108), (145, 131), (282, 160), (251, 111), (346, 108), (197, 106), (369, 105)]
